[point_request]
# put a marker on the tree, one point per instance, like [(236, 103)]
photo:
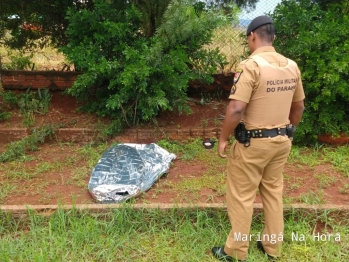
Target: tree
[(29, 20), (152, 12), (318, 39), (130, 76)]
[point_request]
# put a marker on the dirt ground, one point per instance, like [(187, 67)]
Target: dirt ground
[(67, 184)]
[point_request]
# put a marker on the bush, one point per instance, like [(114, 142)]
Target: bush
[(131, 76), (318, 41)]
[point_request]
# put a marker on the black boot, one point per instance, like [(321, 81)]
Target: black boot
[(218, 252), (261, 248)]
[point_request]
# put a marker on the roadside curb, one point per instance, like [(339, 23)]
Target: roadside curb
[(47, 210)]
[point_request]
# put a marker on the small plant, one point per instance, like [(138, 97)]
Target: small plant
[(344, 189), (216, 121), (297, 183), (29, 119), (4, 115), (5, 190), (17, 149), (339, 158), (8, 101), (326, 180), (311, 198), (103, 132), (217, 95), (204, 123), (44, 100), (35, 102), (206, 98)]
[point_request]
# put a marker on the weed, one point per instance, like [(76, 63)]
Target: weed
[(5, 190), (196, 184), (344, 189), (44, 97), (46, 198), (216, 121), (8, 100), (4, 115), (35, 102), (29, 119), (294, 182), (305, 156), (310, 198), (44, 167), (78, 176), (339, 158), (326, 180), (17, 149), (206, 98), (204, 123), (103, 132)]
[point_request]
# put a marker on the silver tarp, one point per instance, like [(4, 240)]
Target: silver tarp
[(125, 170)]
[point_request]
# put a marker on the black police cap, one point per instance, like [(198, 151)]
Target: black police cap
[(258, 22)]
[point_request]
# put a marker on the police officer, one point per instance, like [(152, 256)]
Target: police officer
[(266, 103)]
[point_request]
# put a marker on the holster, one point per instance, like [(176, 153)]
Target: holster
[(290, 130), (241, 134)]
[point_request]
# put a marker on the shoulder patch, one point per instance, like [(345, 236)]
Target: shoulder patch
[(233, 90), (237, 75)]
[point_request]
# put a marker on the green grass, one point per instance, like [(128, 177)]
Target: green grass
[(128, 234), (305, 156), (196, 184), (326, 180), (5, 190), (311, 198), (339, 158)]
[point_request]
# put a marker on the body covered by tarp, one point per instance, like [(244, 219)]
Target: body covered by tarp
[(125, 170)]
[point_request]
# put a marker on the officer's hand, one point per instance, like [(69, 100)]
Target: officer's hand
[(222, 147)]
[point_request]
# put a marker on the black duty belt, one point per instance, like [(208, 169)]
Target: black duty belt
[(242, 135), (260, 133)]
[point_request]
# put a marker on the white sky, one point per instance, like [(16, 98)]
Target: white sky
[(262, 7)]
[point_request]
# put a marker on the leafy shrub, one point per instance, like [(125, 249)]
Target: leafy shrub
[(130, 76), (318, 40)]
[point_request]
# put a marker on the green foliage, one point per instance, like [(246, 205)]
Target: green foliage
[(19, 62), (28, 21), (35, 102), (152, 11), (318, 40), (130, 76), (17, 149), (8, 100)]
